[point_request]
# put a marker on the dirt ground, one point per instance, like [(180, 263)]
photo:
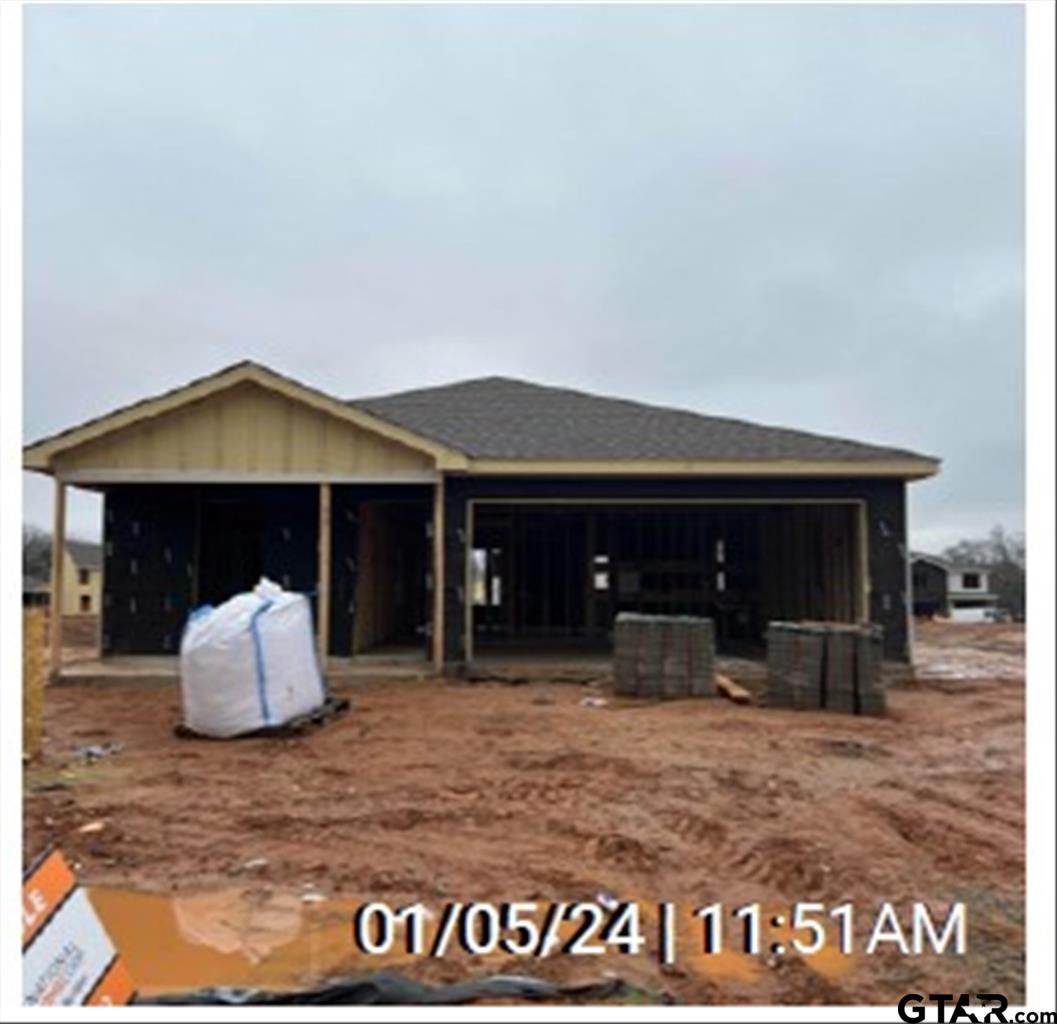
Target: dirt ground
[(242, 861)]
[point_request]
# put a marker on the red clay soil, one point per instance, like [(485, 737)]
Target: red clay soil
[(439, 791)]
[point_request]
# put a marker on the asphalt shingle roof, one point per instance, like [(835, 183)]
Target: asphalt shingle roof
[(85, 554), (504, 418)]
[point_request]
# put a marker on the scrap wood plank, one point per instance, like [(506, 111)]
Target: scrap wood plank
[(732, 690)]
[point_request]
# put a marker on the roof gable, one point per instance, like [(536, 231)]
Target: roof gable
[(99, 435)]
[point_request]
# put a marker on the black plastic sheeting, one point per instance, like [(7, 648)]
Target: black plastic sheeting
[(385, 988)]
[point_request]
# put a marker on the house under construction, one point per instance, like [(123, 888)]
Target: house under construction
[(487, 515)]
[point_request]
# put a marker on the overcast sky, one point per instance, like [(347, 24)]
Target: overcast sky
[(809, 216)]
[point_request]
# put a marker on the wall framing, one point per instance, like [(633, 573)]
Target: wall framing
[(862, 591), (881, 517)]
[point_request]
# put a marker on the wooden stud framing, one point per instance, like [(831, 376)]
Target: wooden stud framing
[(793, 530), (58, 552), (323, 594), (467, 586), (908, 586), (863, 531), (438, 575), (590, 544)]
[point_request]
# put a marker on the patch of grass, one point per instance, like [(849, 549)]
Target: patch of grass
[(47, 778)]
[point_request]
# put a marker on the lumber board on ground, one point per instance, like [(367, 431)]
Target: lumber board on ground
[(732, 690)]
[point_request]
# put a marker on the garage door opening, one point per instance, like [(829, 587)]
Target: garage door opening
[(555, 577)]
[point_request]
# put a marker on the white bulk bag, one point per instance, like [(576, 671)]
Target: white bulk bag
[(249, 663)]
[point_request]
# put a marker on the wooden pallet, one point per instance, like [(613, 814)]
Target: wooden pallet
[(332, 707)]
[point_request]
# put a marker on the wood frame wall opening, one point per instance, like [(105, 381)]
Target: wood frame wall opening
[(554, 574)]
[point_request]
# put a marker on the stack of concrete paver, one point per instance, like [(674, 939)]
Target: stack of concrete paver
[(664, 656), (829, 665), (869, 653), (794, 665)]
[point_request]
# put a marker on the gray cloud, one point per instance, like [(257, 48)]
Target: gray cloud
[(802, 215)]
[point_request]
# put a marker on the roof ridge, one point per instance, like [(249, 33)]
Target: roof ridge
[(638, 404), (440, 387)]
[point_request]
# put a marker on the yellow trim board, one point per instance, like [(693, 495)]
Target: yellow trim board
[(650, 501), (901, 468), (104, 475)]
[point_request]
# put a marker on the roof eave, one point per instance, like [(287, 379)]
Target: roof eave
[(897, 468)]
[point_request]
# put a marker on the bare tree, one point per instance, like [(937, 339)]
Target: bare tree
[(36, 552)]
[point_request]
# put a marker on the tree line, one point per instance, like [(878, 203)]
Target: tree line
[(36, 552)]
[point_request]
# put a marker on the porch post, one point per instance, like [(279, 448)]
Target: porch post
[(467, 592), (323, 576), (438, 574), (908, 585), (864, 564), (58, 552)]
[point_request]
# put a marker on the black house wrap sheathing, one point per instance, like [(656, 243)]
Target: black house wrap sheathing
[(171, 547)]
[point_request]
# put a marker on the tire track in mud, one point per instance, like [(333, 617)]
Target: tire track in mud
[(968, 805), (949, 845), (404, 799), (794, 866)]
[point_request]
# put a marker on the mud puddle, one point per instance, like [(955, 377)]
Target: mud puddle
[(274, 940), (232, 937)]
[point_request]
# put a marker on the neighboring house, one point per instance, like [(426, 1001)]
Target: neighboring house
[(929, 583), (36, 592), (969, 596), (82, 581), (82, 578), (958, 592), (480, 517)]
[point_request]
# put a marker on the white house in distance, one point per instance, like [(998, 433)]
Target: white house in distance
[(968, 592), (946, 590)]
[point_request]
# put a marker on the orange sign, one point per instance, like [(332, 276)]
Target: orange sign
[(43, 891), (67, 956)]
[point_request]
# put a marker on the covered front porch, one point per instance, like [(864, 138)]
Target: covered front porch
[(363, 554), (247, 474)]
